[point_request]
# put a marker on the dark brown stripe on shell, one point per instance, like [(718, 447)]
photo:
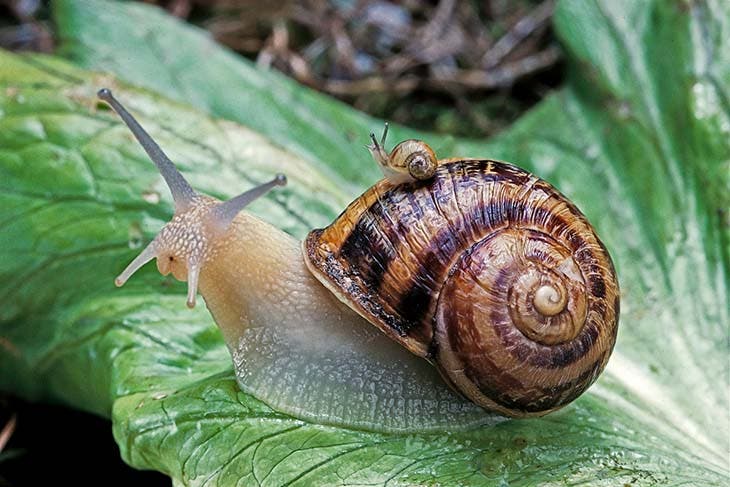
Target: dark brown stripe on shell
[(414, 305), (368, 256), (598, 287), (444, 247), (350, 287), (509, 173)]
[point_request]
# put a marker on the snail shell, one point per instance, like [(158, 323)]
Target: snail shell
[(486, 271)]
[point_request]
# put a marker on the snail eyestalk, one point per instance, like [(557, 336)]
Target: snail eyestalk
[(186, 243), (377, 150), (182, 192), (227, 211), (385, 134)]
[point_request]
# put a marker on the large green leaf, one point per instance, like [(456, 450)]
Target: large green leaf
[(638, 138)]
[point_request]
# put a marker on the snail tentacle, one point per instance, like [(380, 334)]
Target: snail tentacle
[(182, 192)]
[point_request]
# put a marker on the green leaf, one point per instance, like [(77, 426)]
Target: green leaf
[(638, 139)]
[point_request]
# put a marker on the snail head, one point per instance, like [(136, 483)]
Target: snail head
[(186, 242)]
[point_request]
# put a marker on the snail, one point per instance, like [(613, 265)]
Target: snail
[(482, 269), (410, 160)]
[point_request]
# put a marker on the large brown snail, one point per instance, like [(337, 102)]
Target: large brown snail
[(479, 267)]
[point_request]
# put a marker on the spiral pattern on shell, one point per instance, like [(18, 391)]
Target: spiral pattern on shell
[(485, 270)]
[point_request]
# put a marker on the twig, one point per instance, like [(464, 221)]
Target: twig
[(372, 84), (505, 75), (7, 432), (277, 49), (438, 38), (180, 8), (9, 347), (520, 31)]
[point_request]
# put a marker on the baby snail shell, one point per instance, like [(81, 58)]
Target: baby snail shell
[(477, 266)]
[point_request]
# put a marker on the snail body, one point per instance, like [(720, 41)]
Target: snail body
[(476, 266), (298, 348)]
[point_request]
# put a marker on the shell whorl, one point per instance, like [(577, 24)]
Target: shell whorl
[(487, 271)]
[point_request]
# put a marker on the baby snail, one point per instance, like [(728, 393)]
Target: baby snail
[(411, 160), (482, 269)]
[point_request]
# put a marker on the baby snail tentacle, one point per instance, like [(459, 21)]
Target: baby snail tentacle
[(410, 160), (183, 245)]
